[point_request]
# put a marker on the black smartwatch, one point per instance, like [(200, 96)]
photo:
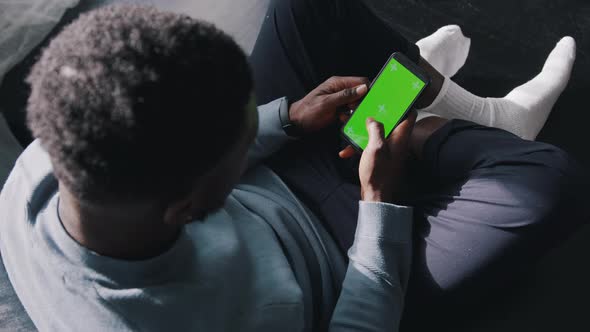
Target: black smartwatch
[(288, 126)]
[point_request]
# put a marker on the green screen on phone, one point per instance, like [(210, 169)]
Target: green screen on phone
[(392, 93)]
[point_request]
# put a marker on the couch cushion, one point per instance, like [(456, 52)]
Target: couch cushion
[(241, 19)]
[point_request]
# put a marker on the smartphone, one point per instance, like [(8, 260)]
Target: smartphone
[(390, 97)]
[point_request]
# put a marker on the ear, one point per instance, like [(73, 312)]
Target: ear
[(180, 212)]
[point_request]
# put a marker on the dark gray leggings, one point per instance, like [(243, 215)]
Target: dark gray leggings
[(487, 203)]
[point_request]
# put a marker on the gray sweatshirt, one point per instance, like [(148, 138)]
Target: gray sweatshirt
[(261, 263)]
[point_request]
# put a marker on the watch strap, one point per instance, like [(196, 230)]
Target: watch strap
[(288, 126)]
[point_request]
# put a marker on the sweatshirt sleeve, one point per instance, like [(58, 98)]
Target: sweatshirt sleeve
[(373, 291), (271, 136)]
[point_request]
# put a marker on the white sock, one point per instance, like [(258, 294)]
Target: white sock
[(446, 49), (524, 110)]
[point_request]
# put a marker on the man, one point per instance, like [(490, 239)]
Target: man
[(125, 213)]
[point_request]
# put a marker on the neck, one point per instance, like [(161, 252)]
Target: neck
[(133, 232)]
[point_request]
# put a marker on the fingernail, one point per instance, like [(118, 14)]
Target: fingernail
[(370, 120), (361, 89)]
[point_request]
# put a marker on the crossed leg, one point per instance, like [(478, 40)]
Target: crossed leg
[(488, 203)]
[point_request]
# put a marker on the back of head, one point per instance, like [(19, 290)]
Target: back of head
[(132, 102)]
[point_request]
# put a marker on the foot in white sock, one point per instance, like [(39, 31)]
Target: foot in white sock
[(538, 96), (524, 110), (446, 49)]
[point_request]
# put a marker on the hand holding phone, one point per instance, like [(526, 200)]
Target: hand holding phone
[(391, 96), (319, 108), (384, 111), (382, 164)]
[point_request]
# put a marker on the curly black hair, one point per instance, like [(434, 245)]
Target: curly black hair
[(130, 101)]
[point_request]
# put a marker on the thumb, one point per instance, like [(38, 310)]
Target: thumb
[(346, 96), (376, 133)]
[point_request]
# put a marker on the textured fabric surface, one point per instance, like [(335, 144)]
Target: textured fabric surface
[(239, 18), (24, 25)]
